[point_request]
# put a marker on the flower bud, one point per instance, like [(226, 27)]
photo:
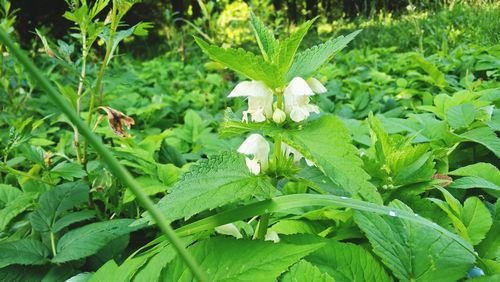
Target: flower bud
[(279, 116)]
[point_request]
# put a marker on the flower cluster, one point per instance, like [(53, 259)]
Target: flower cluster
[(261, 107)]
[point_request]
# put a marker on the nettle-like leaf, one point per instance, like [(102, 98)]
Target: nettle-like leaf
[(56, 201), (484, 136), (244, 62), (212, 183), (227, 259), (8, 194), (326, 141), (287, 48), (306, 271), (89, 239), (25, 251), (68, 170), (414, 252), (16, 207), (265, 37), (310, 60)]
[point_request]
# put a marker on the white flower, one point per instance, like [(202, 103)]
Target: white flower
[(229, 229), (257, 146), (279, 116), (260, 99), (297, 97), (287, 150)]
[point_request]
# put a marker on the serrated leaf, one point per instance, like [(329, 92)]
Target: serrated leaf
[(226, 259), (265, 37), (68, 171), (287, 48), (347, 262), (56, 201), (310, 60), (212, 183), (327, 143), (414, 252), (476, 218), (71, 218), (484, 136), (25, 251), (479, 175), (244, 62), (305, 271), (16, 207), (89, 239), (460, 116)]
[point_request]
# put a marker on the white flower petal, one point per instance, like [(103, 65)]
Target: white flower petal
[(316, 85), (250, 89), (298, 87), (253, 165), (299, 114), (272, 236), (229, 229)]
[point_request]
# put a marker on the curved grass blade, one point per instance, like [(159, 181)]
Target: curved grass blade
[(116, 168)]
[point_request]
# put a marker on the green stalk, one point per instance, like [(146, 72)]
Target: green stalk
[(114, 166), (53, 244)]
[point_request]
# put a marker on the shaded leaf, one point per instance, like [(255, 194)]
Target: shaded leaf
[(25, 251)]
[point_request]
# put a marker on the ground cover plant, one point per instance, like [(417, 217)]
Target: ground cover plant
[(251, 153)]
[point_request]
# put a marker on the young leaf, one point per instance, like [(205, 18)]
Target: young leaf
[(476, 218), (310, 60), (288, 47), (89, 239), (305, 271), (265, 37), (241, 61), (226, 259), (25, 251), (414, 252), (327, 143), (56, 201), (212, 183), (8, 194)]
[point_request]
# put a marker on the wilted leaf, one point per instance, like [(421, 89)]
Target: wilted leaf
[(117, 119)]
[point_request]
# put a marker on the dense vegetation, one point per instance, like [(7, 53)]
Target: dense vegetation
[(278, 147)]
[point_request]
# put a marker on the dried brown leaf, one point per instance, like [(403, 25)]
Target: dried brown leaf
[(117, 119)]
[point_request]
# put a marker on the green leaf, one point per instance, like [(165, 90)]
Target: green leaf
[(480, 175), (68, 171), (149, 186), (212, 183), (476, 218), (226, 259), (16, 207), (305, 271), (412, 251), (310, 60), (347, 262), (461, 116), (431, 69), (288, 47), (56, 201), (327, 143), (105, 272), (170, 155), (484, 136), (89, 239), (241, 61), (265, 37), (71, 218), (25, 251), (8, 194)]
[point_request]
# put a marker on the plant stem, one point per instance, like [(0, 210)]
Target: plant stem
[(107, 157), (53, 243), (79, 95), (262, 227)]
